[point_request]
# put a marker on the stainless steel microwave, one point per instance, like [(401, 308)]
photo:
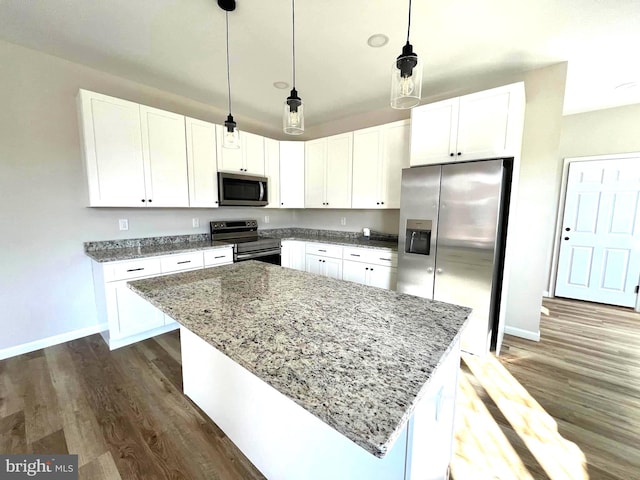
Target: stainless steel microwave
[(242, 190)]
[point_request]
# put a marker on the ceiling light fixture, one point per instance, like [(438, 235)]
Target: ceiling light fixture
[(281, 85), (406, 76), (293, 118), (230, 137), (377, 40)]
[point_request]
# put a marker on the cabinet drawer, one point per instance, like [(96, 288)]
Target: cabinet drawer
[(371, 255), (131, 269), (218, 256), (183, 261), (324, 250)]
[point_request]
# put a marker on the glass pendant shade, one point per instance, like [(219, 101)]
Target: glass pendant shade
[(230, 134), (293, 115), (406, 79)]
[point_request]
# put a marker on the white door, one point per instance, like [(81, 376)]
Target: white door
[(332, 267), (599, 257), (382, 276), (313, 264), (354, 272), (291, 174), (338, 171), (395, 157), (272, 171), (315, 155), (253, 153), (366, 168), (433, 132), (229, 159)]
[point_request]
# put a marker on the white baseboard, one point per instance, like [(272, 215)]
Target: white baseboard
[(50, 341), (519, 332)]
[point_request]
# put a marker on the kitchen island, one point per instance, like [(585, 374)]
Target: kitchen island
[(317, 378)]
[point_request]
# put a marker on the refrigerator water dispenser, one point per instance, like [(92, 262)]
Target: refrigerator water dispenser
[(418, 238)]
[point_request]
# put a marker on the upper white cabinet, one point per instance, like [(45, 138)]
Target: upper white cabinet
[(165, 158), (379, 155), (486, 124), (328, 168), (135, 156), (201, 162), (272, 171), (291, 174), (112, 146), (249, 158)]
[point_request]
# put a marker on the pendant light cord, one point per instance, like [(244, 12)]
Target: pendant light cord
[(409, 25), (293, 15), (228, 74)]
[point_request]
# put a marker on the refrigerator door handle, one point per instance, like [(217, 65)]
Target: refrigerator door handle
[(439, 270), (430, 270)]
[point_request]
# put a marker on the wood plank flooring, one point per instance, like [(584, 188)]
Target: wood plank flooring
[(565, 408)]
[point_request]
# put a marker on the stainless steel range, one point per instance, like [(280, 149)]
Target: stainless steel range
[(247, 245)]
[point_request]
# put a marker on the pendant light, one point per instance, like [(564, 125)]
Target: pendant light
[(293, 117), (230, 137), (406, 76)]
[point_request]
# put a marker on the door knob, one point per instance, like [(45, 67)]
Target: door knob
[(568, 229), (566, 238)]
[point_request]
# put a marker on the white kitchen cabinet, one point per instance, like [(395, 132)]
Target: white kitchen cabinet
[(325, 266), (129, 317), (291, 174), (379, 155), (112, 146), (249, 158), (328, 169), (481, 125), (293, 254), (201, 163), (370, 266), (272, 171), (164, 151), (135, 156)]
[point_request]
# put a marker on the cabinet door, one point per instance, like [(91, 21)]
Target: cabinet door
[(339, 164), (165, 158), (313, 264), (201, 162), (332, 267), (433, 132), (354, 272), (229, 159), (483, 123), (292, 174), (253, 153), (293, 254), (366, 168), (382, 277), (112, 144), (315, 155), (272, 171), (134, 314), (395, 157)]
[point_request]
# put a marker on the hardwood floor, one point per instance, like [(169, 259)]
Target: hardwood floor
[(565, 408)]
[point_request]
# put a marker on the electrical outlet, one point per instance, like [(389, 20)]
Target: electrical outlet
[(343, 220), (266, 219), (195, 222), (123, 224)]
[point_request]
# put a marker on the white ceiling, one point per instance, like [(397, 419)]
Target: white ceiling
[(178, 46)]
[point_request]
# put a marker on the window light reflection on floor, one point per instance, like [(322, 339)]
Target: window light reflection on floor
[(560, 458)]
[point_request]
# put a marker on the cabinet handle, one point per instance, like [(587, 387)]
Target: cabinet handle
[(566, 238), (381, 203), (568, 229), (143, 200), (366, 268), (184, 261), (459, 153), (281, 203), (354, 255), (216, 201), (371, 269), (135, 269), (322, 250), (451, 154), (150, 200), (377, 203), (219, 256), (385, 259)]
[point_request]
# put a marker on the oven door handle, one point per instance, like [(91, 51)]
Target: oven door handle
[(249, 256), (261, 190)]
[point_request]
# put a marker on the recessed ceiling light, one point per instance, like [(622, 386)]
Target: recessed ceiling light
[(281, 85), (627, 86), (378, 40)]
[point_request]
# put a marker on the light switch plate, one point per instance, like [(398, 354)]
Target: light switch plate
[(266, 219), (343, 220), (123, 224), (195, 222)]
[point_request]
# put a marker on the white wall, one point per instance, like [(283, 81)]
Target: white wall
[(45, 279)]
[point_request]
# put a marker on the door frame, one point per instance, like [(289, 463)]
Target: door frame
[(560, 216)]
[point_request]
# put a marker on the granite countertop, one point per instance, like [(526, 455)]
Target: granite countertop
[(358, 358), (143, 251), (346, 241)]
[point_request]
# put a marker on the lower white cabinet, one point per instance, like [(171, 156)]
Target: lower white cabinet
[(128, 317), (325, 266), (370, 266), (293, 254)]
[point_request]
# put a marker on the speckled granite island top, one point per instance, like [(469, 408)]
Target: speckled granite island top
[(356, 357)]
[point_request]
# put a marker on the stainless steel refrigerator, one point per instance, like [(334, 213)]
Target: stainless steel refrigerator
[(452, 240)]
